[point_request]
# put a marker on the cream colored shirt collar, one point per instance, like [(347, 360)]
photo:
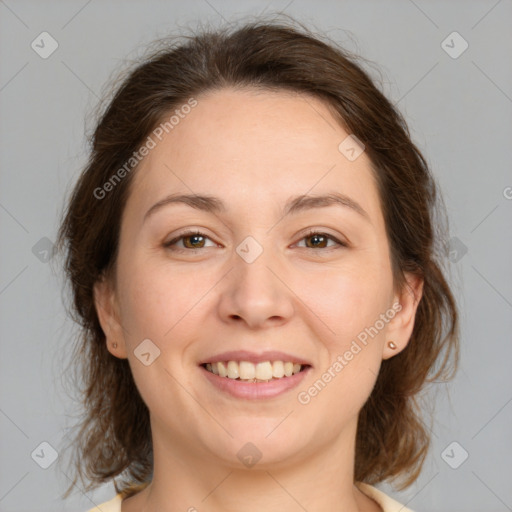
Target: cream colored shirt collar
[(386, 502)]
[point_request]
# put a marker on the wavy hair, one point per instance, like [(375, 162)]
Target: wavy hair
[(113, 437)]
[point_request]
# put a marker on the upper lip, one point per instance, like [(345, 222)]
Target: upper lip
[(253, 357)]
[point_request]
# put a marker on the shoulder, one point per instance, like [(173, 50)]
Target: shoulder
[(387, 503), (113, 505)]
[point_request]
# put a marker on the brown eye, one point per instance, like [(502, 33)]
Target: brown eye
[(320, 240), (195, 239), (191, 240)]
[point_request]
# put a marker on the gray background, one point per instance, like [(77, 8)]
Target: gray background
[(460, 114)]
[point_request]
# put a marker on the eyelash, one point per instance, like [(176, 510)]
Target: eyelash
[(309, 234)]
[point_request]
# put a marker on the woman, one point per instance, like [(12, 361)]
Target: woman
[(253, 259)]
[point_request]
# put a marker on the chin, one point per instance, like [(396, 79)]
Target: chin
[(263, 443)]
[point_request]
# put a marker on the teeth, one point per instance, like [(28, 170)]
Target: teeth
[(247, 371), (278, 369), (233, 372), (223, 372), (264, 371)]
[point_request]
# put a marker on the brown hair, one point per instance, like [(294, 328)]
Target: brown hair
[(115, 435)]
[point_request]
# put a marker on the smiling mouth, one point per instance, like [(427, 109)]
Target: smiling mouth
[(245, 371)]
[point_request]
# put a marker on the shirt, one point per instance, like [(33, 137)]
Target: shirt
[(387, 503)]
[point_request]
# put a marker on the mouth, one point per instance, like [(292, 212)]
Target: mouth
[(261, 372)]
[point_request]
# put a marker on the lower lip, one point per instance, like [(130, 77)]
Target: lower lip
[(255, 390)]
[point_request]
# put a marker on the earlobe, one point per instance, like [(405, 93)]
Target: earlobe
[(392, 345), (400, 328), (108, 317)]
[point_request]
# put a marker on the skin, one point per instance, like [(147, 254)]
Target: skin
[(254, 150)]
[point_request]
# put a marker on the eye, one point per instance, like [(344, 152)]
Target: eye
[(196, 241), (193, 240), (319, 240)]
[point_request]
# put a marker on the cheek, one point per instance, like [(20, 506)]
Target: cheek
[(348, 299), (154, 301), (157, 305), (349, 303), (340, 394)]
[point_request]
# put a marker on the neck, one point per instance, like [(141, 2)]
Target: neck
[(187, 479)]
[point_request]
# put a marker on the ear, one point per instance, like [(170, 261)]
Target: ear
[(399, 329), (107, 310)]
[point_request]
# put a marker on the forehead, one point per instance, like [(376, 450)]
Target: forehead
[(257, 146)]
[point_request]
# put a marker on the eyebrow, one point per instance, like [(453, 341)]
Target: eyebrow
[(294, 205)]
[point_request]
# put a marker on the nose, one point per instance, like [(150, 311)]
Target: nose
[(256, 291)]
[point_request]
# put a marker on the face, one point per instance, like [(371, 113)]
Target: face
[(254, 279)]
